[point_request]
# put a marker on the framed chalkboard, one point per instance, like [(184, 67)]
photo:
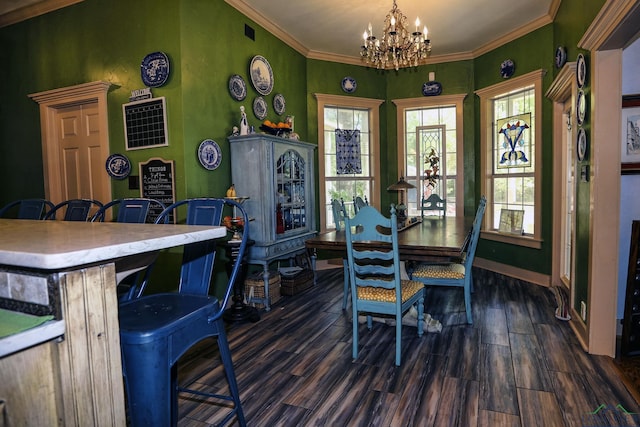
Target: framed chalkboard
[(157, 181), (145, 123)]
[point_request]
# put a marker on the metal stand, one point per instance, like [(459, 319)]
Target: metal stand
[(239, 311)]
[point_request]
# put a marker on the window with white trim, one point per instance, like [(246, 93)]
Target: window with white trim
[(510, 149), (338, 181)]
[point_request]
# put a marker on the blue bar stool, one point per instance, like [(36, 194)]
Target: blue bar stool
[(156, 330)]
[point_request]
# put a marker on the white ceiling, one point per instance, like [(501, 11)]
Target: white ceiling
[(332, 29), (457, 28)]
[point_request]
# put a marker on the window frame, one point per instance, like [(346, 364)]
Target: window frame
[(340, 101), (427, 103), (487, 96)]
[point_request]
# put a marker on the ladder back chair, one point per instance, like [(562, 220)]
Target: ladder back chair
[(374, 272), (457, 274)]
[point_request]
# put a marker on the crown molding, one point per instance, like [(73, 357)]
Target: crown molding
[(33, 10)]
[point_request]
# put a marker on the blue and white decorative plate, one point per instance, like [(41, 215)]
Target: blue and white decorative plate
[(209, 154), (237, 87), (431, 88), (581, 107), (349, 84), (118, 166), (507, 68), (155, 69), (561, 56), (279, 104), (261, 75), (581, 149), (260, 107), (581, 71)]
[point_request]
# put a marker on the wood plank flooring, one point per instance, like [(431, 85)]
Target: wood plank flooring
[(516, 366)]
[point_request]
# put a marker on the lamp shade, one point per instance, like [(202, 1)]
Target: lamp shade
[(400, 185)]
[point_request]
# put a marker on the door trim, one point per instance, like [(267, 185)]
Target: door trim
[(52, 100)]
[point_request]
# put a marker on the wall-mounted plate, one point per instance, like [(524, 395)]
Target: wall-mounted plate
[(581, 144), (581, 107), (237, 87), (260, 107), (561, 56), (279, 104), (209, 154), (581, 70), (431, 88), (154, 69), (118, 166), (349, 84), (261, 75), (507, 68)]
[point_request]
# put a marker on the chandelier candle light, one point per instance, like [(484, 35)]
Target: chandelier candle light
[(398, 47)]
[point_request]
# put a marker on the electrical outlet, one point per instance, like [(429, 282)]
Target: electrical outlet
[(583, 311)]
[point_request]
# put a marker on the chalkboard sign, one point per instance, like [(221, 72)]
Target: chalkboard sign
[(145, 123), (157, 179)]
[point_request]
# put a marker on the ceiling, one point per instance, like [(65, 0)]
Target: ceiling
[(332, 29)]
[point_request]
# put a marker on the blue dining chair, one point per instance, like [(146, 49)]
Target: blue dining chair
[(156, 330), (339, 215), (359, 202), (130, 210), (27, 209), (374, 272), (132, 273), (75, 209), (457, 273)]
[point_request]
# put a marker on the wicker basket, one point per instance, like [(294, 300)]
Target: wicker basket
[(293, 285), (254, 289)]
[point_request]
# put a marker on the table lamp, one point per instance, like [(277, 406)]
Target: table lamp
[(401, 186)]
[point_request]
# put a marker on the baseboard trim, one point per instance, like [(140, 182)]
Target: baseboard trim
[(515, 272)]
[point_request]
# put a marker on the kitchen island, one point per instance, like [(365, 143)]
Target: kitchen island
[(68, 371)]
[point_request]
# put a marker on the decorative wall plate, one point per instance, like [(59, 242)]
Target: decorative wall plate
[(118, 166), (237, 87), (154, 69), (507, 68), (209, 154), (581, 107), (279, 104), (349, 84), (261, 75), (581, 144), (260, 107), (431, 88), (561, 56), (581, 71)]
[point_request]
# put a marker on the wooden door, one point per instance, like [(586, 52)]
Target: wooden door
[(81, 169)]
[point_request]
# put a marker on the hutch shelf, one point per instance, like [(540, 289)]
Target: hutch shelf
[(277, 176)]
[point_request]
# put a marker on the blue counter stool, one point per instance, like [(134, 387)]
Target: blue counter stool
[(156, 330)]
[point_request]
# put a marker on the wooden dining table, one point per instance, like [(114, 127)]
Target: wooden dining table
[(429, 239)]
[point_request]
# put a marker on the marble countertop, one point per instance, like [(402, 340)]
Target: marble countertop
[(51, 245)]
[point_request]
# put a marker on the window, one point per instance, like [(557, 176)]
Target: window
[(510, 115), (337, 181), (427, 128)]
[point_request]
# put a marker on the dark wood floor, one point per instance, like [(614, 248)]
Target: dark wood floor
[(516, 366)]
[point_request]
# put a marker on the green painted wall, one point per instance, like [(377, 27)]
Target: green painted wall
[(107, 39)]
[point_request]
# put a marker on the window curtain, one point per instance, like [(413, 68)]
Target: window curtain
[(348, 152)]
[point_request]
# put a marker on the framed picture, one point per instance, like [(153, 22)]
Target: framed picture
[(630, 144)]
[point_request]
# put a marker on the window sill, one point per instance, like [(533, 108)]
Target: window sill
[(526, 241)]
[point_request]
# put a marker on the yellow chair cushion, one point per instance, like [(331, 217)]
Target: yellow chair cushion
[(439, 271), (371, 293)]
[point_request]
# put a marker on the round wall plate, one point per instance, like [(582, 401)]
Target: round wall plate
[(261, 75), (209, 154), (260, 107), (581, 71), (581, 144), (507, 68), (279, 104), (154, 69), (561, 56), (349, 84), (581, 107), (237, 87), (118, 166)]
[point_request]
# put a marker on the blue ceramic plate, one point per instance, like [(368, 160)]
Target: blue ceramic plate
[(581, 71), (261, 75), (260, 107), (431, 88), (349, 84), (118, 166), (209, 154), (237, 87), (581, 144), (279, 104), (507, 68), (561, 56), (155, 69), (581, 107)]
